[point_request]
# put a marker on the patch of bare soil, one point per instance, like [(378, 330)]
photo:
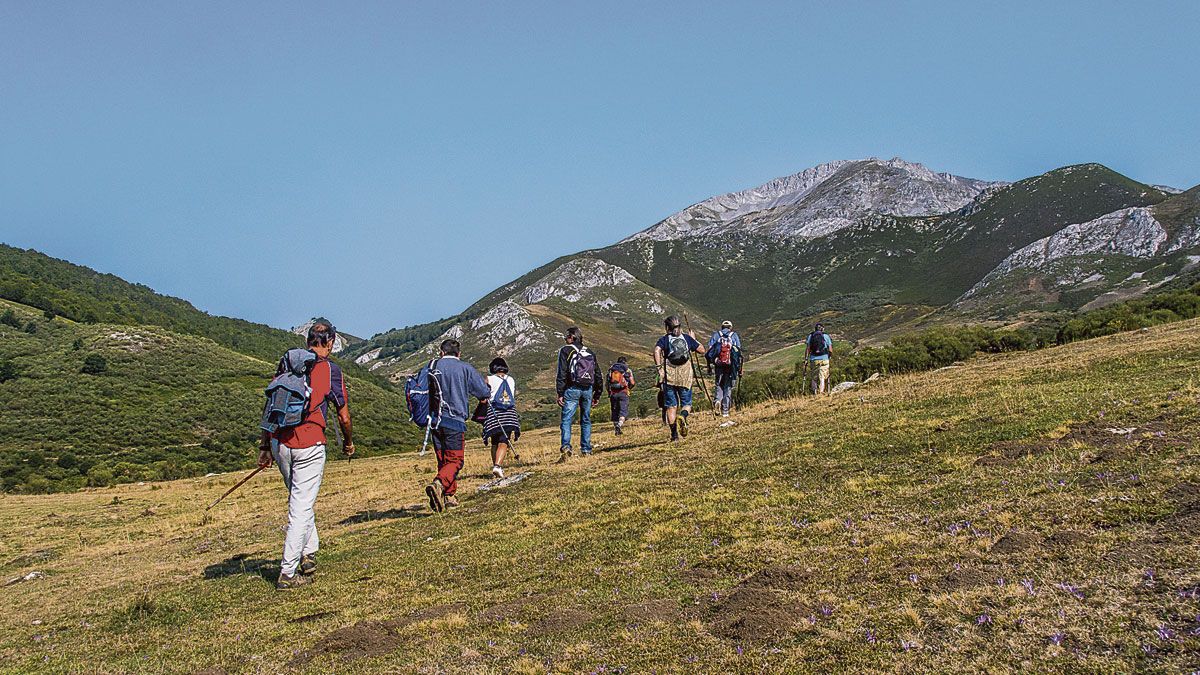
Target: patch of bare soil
[(701, 575), (754, 614), (780, 577), (1066, 539), (964, 578), (560, 621), (508, 610), (665, 609), (362, 640), (1111, 441), (1014, 542), (1186, 498)]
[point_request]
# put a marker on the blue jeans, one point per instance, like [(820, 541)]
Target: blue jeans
[(577, 398)]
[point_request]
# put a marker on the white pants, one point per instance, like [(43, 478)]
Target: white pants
[(302, 469)]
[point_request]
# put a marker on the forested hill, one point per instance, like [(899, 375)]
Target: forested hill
[(84, 295)]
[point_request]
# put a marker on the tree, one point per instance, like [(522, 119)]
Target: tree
[(94, 364), (77, 344), (31, 328), (8, 370), (9, 318)]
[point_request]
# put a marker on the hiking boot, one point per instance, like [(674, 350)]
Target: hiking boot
[(585, 453), (564, 454), (674, 437), (450, 501), (497, 472), (308, 565), (436, 494), (683, 426), (286, 583)]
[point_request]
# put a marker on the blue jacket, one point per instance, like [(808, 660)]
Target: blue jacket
[(458, 382), (733, 337)]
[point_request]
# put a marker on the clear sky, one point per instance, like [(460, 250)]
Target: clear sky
[(389, 163)]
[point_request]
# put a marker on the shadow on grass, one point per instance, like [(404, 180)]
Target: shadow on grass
[(417, 511), (242, 563)]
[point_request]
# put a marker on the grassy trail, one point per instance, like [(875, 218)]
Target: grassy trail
[(1034, 511)]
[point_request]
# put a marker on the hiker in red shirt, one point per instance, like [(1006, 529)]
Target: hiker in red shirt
[(299, 451)]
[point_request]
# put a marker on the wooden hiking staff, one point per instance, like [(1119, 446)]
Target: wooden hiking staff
[(696, 373), (240, 483)]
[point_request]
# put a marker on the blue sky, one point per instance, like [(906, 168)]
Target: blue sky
[(387, 164)]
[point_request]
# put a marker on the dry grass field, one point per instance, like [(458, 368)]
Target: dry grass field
[(1032, 512)]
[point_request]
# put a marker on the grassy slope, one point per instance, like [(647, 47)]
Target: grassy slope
[(890, 528), (164, 397)]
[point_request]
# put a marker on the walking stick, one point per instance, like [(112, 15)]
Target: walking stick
[(696, 373), (240, 483)]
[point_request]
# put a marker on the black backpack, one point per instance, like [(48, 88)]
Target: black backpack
[(816, 344)]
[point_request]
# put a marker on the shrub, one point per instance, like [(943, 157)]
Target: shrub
[(94, 364)]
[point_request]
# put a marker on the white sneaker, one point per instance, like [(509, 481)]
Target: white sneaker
[(725, 414), (497, 472)]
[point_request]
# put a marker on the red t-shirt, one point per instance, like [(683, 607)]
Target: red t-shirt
[(327, 385)]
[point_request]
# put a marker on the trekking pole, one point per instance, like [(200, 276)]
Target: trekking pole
[(425, 443), (240, 483), (804, 377), (696, 373)]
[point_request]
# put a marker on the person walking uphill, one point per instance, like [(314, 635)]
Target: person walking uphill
[(299, 448), (673, 357), (578, 384), (620, 383), (457, 382), (818, 347), (724, 355), (501, 424)]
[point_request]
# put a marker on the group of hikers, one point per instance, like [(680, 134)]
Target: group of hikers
[(306, 382)]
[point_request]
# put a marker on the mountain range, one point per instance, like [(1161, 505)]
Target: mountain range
[(871, 247)]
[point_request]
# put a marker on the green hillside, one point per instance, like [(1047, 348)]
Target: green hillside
[(159, 404), (87, 296), (1020, 513)]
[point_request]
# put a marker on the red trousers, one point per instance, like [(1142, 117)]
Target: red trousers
[(448, 447)]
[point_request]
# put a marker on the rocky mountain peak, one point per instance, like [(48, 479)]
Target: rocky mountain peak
[(823, 199)]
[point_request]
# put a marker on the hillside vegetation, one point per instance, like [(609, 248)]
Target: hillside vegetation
[(86, 296), (95, 404), (1027, 512)]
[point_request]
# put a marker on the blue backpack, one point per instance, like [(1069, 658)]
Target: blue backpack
[(504, 399), (289, 392), (423, 392)]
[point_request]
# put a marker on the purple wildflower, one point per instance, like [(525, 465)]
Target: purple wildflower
[(913, 578), (826, 610), (1190, 593), (1000, 581), (1148, 575), (812, 619), (1165, 633), (907, 645), (870, 636), (561, 557), (715, 543), (983, 620), (1073, 590), (1027, 584), (739, 650), (1057, 639)]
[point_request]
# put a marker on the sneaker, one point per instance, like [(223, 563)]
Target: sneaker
[(308, 565), (725, 414), (618, 430), (564, 454), (497, 472), (451, 501), (435, 492), (585, 453), (286, 583), (683, 426), (674, 437)]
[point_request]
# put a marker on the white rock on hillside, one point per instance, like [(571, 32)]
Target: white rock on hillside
[(508, 328), (572, 277), (339, 343), (368, 356), (1131, 232)]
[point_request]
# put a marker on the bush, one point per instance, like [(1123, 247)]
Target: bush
[(8, 370), (9, 318), (94, 364)]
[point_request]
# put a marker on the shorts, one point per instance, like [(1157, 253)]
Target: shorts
[(676, 397), (444, 439), (820, 369), (506, 434)]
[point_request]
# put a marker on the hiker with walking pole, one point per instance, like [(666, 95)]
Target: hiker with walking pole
[(818, 347), (673, 358), (724, 356), (293, 438), (501, 424), (439, 396)]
